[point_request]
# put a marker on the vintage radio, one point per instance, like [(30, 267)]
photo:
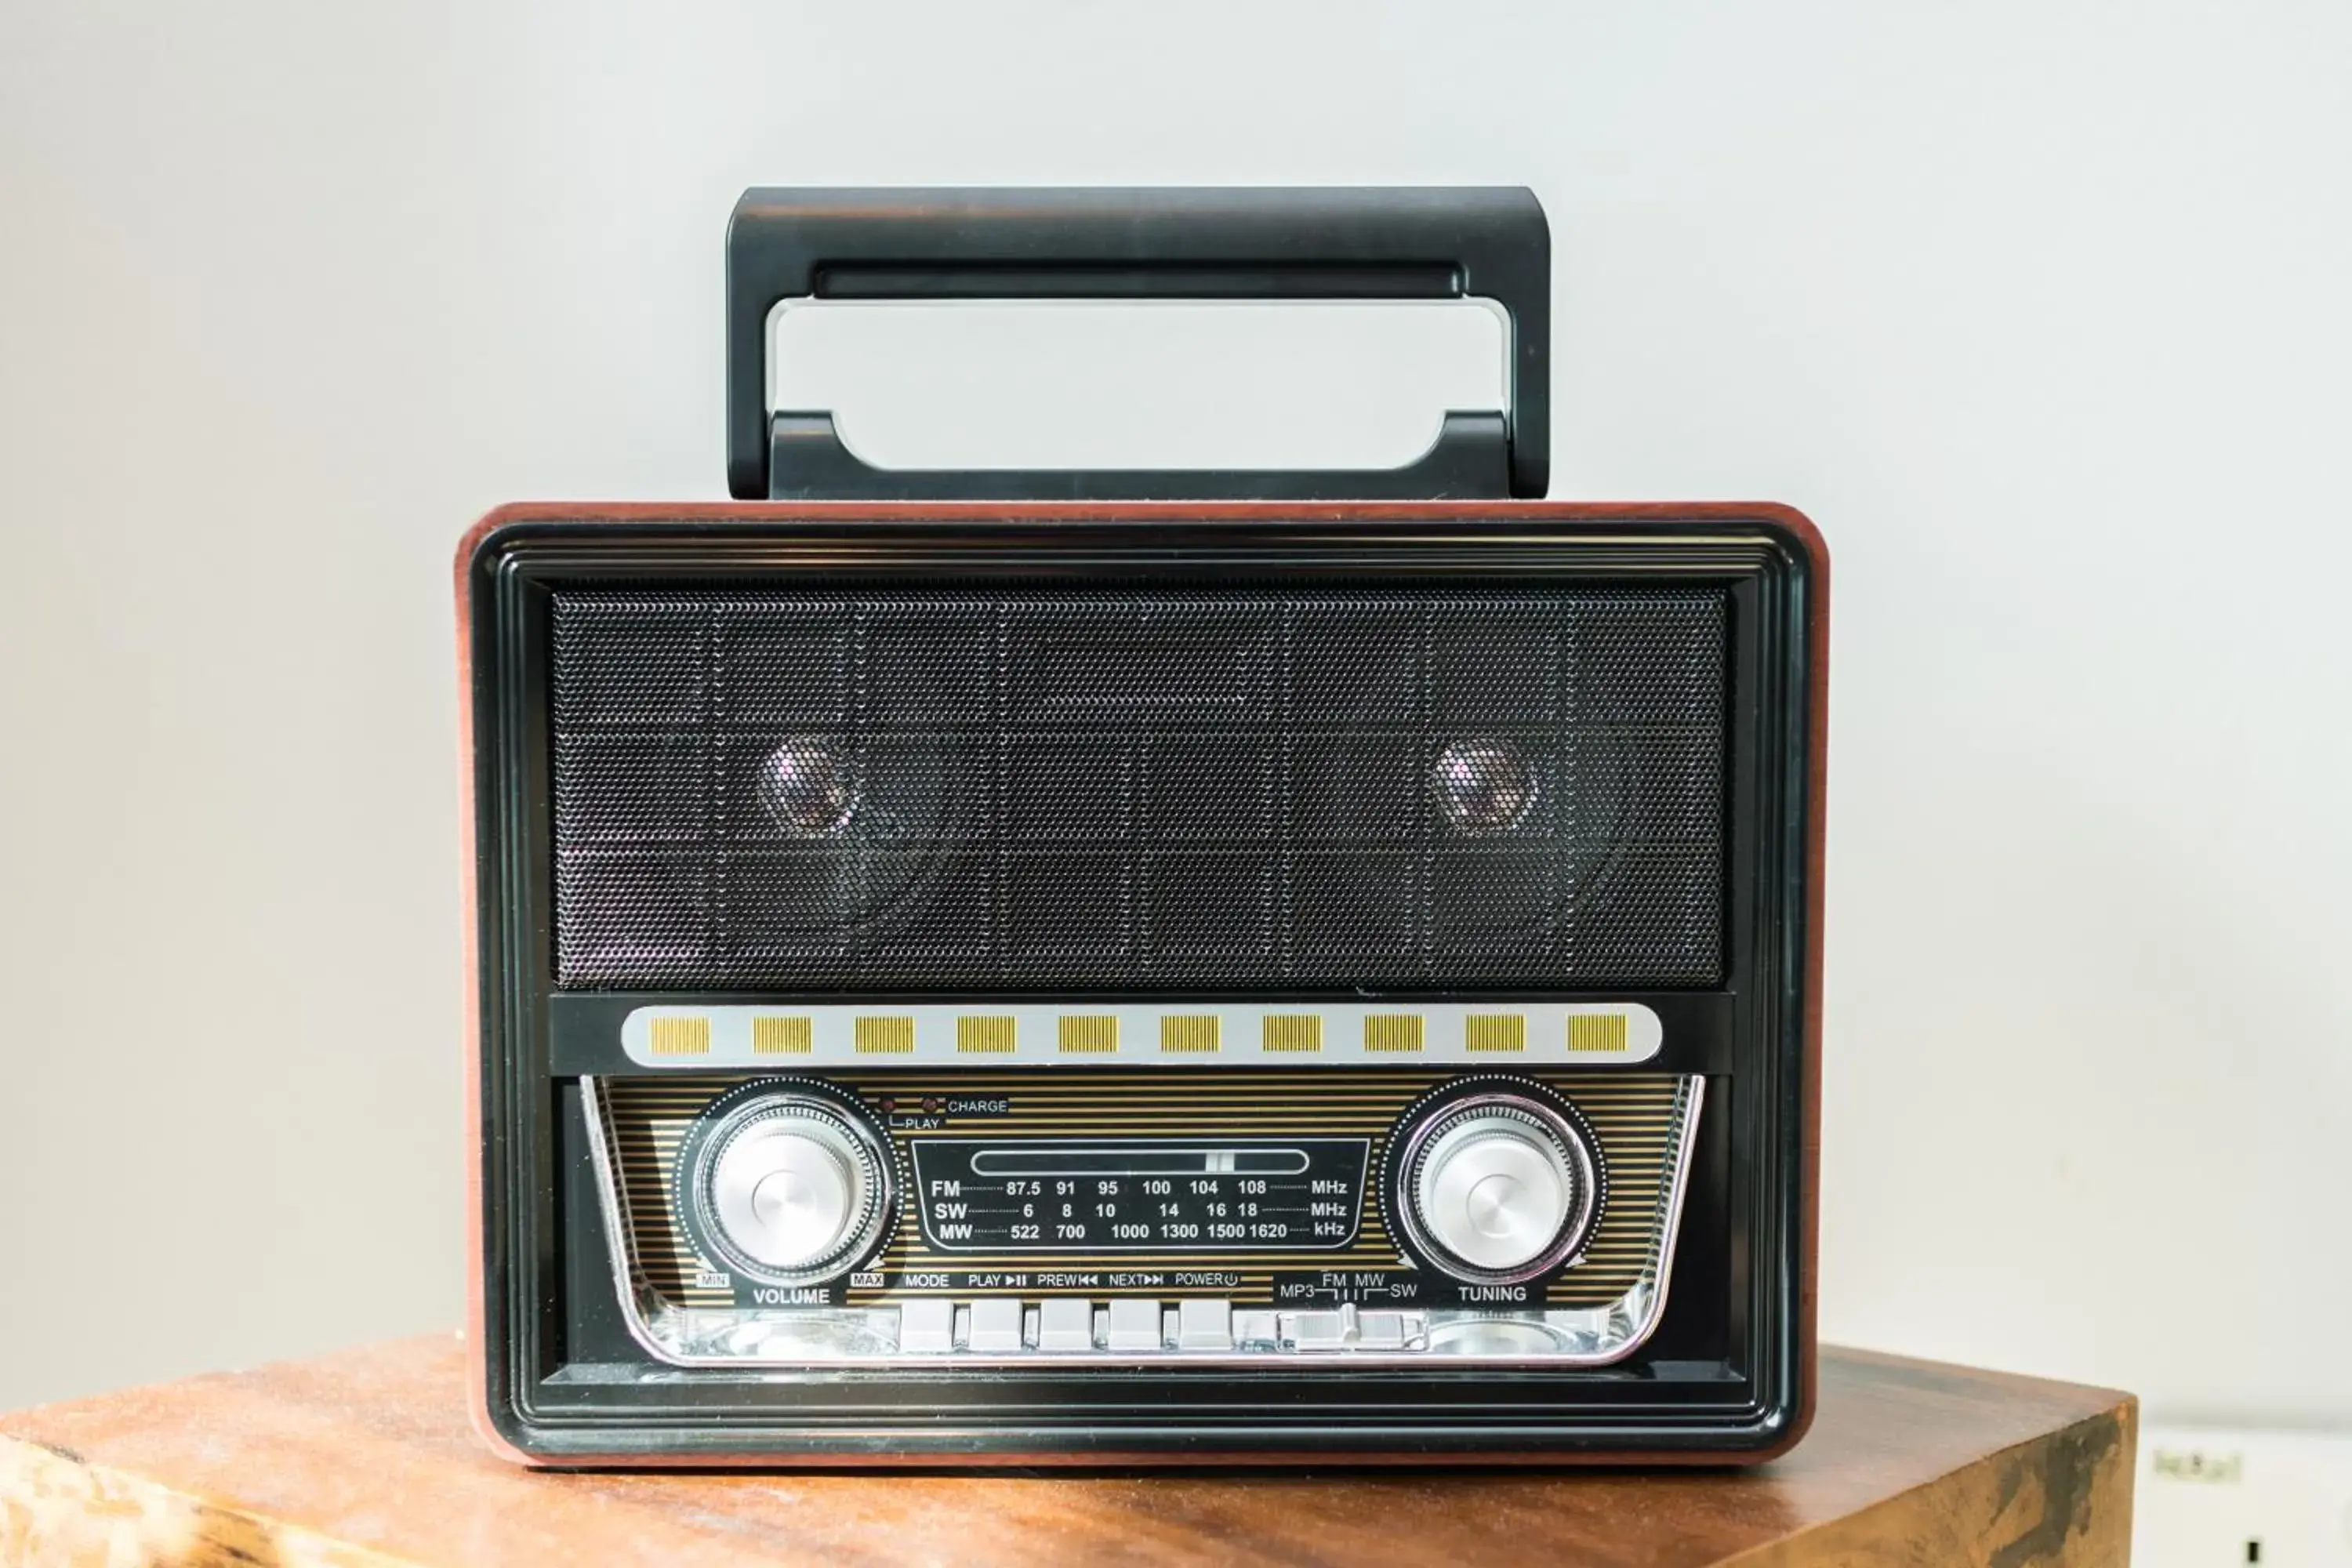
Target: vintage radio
[(1144, 967)]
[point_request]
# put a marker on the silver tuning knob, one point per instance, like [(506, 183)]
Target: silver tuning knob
[(788, 1187), (1497, 1189)]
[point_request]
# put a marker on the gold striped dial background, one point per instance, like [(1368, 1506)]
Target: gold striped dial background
[(1635, 1116)]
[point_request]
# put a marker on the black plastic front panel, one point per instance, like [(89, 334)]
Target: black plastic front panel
[(1700, 768)]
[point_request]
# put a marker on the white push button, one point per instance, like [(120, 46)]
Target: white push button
[(1065, 1325), (1205, 1325), (995, 1325), (927, 1327), (1134, 1326)]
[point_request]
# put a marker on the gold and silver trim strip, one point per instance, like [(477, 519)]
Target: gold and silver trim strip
[(1601, 1034)]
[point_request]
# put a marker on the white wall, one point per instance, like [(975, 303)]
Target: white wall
[(2039, 306)]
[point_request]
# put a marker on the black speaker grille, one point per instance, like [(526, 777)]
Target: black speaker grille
[(1233, 789)]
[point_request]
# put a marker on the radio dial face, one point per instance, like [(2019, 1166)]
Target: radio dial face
[(787, 1186), (1497, 1188)]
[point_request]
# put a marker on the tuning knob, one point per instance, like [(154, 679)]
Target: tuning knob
[(785, 1185), (1497, 1187)]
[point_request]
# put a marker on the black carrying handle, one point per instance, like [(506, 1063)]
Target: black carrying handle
[(1367, 243)]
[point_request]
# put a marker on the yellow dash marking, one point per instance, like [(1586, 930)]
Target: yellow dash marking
[(884, 1037), (1089, 1034), (986, 1036), (1597, 1032), (1494, 1032), (782, 1036), (1393, 1032), (1188, 1033), (1292, 1032), (681, 1036)]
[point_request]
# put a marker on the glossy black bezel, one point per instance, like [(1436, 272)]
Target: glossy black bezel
[(1724, 1372)]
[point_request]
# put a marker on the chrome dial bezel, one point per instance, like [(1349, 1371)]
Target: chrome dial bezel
[(1571, 1140), (840, 1130)]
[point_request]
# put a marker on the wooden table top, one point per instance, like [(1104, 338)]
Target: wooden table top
[(364, 1456)]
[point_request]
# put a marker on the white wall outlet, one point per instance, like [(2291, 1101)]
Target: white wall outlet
[(2215, 1498)]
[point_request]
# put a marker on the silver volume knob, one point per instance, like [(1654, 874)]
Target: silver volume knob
[(789, 1188), (1497, 1189)]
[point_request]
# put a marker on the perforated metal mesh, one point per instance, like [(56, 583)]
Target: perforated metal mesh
[(1245, 789)]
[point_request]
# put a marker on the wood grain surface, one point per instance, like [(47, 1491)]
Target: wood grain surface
[(364, 1458)]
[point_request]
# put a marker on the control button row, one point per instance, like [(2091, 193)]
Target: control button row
[(997, 1326)]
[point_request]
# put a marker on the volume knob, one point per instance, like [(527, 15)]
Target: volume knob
[(787, 1187), (1497, 1188)]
